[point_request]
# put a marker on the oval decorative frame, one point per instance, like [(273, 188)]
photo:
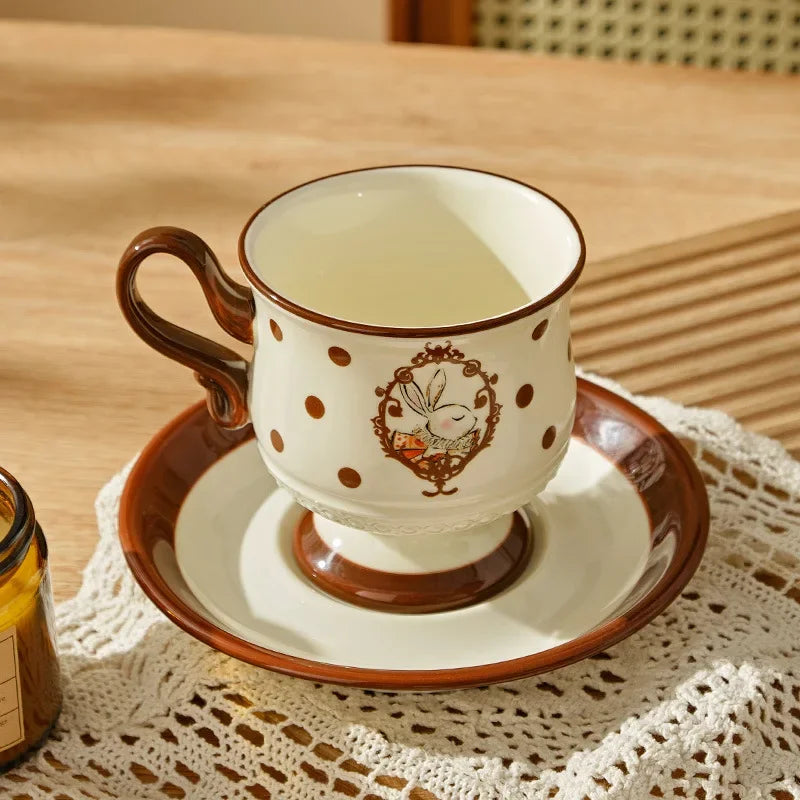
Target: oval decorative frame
[(426, 450)]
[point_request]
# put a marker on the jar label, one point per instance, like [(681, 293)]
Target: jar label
[(12, 727)]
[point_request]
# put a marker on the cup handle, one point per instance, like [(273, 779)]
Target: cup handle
[(223, 372)]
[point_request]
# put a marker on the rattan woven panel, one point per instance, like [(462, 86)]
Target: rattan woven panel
[(751, 35)]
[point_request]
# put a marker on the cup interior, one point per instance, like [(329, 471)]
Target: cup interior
[(411, 247)]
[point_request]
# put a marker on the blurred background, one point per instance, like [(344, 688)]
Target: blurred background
[(343, 19), (107, 131), (757, 35)]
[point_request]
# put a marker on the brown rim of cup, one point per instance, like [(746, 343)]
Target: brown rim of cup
[(408, 332)]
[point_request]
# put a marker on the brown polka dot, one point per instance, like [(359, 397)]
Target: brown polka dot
[(524, 395), (569, 350), (539, 330), (276, 330), (314, 406), (549, 437), (349, 478), (277, 441), (339, 356)]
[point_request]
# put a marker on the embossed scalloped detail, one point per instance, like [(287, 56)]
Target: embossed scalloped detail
[(365, 523)]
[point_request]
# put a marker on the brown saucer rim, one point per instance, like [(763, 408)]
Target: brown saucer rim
[(684, 562)]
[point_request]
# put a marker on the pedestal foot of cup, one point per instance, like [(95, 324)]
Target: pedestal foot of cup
[(413, 573)]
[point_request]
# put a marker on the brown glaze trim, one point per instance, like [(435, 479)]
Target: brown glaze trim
[(339, 356), (524, 395), (315, 408), (183, 450), (220, 370), (412, 593), (277, 440), (540, 330), (349, 477), (410, 333)]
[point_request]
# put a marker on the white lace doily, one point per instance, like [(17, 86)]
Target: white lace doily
[(702, 703)]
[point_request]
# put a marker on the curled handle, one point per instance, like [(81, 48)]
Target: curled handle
[(223, 372)]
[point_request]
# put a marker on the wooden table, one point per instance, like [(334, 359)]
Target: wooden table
[(107, 131)]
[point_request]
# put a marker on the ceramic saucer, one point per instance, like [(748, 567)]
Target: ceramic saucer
[(617, 534)]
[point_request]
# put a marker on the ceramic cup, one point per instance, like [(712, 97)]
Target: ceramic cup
[(411, 373)]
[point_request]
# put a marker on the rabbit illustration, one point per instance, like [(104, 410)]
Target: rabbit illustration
[(448, 425)]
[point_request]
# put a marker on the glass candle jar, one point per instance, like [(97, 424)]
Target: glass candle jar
[(30, 687)]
